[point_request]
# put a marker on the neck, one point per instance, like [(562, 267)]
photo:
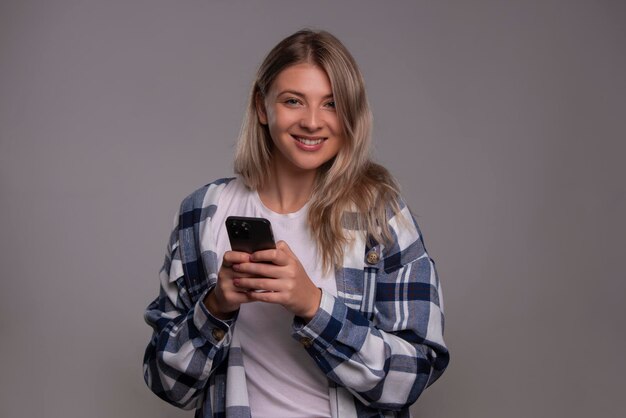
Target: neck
[(287, 192)]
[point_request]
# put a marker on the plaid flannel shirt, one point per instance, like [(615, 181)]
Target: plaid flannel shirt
[(379, 340)]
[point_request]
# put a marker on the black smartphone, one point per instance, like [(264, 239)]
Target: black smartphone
[(249, 234)]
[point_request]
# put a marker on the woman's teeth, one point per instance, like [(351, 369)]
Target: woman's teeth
[(309, 141)]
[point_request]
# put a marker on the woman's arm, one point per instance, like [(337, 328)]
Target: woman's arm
[(188, 342), (388, 356)]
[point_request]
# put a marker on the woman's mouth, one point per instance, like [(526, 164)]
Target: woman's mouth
[(308, 141)]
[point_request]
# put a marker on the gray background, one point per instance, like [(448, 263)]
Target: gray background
[(503, 121)]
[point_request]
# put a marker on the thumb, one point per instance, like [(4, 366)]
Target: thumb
[(282, 245)]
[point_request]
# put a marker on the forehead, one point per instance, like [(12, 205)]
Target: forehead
[(305, 78)]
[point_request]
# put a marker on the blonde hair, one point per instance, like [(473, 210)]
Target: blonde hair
[(348, 182)]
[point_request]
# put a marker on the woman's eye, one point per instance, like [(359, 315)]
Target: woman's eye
[(291, 102), (330, 104)]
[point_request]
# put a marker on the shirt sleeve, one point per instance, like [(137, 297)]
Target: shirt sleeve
[(387, 358), (188, 343)]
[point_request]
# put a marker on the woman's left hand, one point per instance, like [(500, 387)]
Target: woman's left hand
[(284, 281)]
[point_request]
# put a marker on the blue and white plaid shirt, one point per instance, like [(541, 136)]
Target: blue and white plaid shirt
[(379, 341)]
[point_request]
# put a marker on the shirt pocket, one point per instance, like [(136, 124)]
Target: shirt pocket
[(360, 284)]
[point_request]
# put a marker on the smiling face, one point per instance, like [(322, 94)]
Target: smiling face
[(299, 110)]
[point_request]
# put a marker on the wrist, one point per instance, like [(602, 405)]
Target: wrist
[(314, 307), (212, 305)]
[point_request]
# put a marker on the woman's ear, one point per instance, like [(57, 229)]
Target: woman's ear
[(260, 108)]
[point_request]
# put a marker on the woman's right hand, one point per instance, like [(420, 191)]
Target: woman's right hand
[(224, 299)]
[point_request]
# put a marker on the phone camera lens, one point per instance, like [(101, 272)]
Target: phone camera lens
[(241, 230)]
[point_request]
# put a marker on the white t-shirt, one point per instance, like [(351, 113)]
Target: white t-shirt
[(282, 379)]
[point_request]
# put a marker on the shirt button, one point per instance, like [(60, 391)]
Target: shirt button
[(218, 334), (307, 342), (372, 257)]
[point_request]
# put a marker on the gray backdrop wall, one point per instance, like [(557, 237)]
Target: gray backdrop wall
[(503, 121)]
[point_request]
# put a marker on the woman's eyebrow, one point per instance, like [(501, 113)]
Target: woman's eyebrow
[(297, 93)]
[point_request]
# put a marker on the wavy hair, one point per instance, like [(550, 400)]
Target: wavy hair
[(348, 182)]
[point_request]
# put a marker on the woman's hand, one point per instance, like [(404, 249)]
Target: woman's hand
[(284, 281), (224, 300)]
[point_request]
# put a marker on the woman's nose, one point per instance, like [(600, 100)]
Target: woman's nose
[(311, 120)]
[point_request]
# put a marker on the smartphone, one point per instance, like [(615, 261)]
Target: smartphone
[(249, 234)]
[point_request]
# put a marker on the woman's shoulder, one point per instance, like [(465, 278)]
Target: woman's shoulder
[(205, 196)]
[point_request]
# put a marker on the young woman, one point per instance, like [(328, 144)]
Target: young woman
[(345, 317)]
